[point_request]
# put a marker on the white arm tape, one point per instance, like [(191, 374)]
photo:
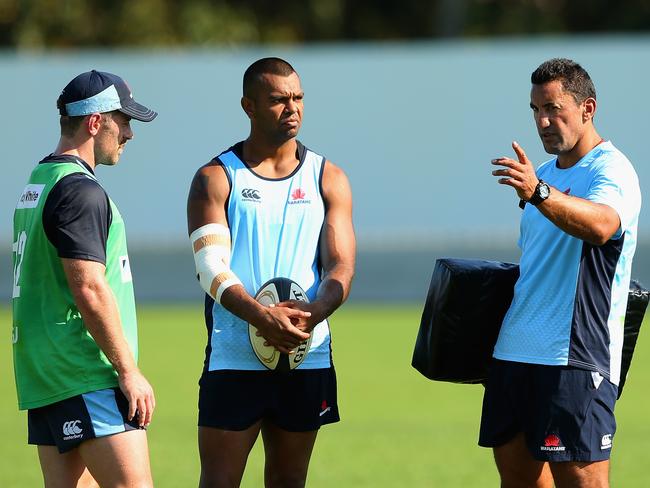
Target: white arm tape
[(211, 247)]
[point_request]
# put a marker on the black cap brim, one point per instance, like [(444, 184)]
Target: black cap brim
[(138, 112)]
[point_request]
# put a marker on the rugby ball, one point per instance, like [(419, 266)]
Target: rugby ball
[(278, 290)]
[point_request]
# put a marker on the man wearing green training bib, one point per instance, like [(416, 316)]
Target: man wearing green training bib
[(74, 322)]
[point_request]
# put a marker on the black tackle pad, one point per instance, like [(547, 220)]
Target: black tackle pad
[(465, 306), (463, 312)]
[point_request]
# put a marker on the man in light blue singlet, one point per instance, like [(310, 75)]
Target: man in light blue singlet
[(548, 410), (268, 207)]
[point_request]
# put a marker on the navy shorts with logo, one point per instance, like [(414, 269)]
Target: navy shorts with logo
[(565, 413), (68, 423), (300, 400)]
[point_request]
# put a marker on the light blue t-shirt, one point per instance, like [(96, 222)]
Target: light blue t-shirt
[(570, 300), (275, 227)]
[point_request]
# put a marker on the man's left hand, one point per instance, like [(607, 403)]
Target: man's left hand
[(305, 324), (519, 174)]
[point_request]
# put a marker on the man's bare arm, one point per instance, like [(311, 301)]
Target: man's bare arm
[(337, 249), (593, 222), (96, 302)]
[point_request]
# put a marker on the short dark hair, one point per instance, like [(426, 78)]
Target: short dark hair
[(70, 125), (273, 66), (574, 78)]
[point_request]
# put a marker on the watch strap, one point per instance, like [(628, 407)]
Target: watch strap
[(537, 197)]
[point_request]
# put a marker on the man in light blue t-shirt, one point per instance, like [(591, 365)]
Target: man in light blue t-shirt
[(548, 410)]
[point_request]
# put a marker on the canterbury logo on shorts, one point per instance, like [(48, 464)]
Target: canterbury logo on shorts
[(71, 430)]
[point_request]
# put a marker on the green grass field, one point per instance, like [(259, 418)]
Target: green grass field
[(397, 430)]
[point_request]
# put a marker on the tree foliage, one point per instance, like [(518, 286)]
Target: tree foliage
[(151, 23)]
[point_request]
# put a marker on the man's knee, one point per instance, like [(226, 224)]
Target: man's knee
[(275, 479), (215, 478)]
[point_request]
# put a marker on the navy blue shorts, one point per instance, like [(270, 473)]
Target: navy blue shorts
[(565, 413), (68, 423), (300, 400)]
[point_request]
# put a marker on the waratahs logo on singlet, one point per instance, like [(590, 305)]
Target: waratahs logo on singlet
[(298, 196)]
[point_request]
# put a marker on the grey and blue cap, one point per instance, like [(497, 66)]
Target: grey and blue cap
[(99, 92)]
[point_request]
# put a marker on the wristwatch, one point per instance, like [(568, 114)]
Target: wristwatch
[(542, 191)]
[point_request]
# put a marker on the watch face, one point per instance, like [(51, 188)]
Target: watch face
[(544, 191)]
